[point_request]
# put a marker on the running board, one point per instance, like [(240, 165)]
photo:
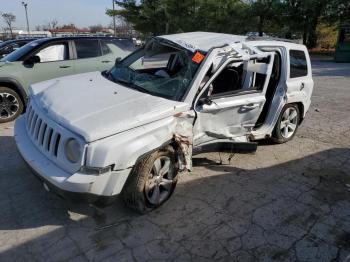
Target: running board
[(227, 147)]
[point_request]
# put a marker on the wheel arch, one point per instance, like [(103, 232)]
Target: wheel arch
[(135, 143), (301, 108), (17, 87), (171, 142)]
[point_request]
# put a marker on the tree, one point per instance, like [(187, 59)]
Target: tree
[(9, 19), (304, 16), (169, 16), (338, 11), (68, 26), (51, 25), (274, 17), (95, 28), (267, 12), (148, 16)]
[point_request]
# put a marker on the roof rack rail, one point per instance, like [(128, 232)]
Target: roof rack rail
[(266, 38)]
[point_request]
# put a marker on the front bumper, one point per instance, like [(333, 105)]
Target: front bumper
[(88, 187)]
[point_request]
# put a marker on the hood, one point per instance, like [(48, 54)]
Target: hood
[(94, 107)]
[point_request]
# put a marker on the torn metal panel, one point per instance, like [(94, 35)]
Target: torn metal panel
[(231, 116), (202, 40), (226, 147), (183, 135)]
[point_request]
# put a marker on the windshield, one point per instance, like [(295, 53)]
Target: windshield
[(158, 69), (3, 44), (19, 53)]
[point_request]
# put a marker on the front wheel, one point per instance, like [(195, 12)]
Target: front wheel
[(152, 181), (287, 124), (11, 105)]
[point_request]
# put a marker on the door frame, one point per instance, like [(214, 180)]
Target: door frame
[(259, 54)]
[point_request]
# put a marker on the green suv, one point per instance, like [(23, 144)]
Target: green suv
[(49, 58)]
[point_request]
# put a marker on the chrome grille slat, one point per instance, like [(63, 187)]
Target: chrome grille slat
[(57, 144), (30, 120), (37, 129), (27, 115), (32, 126), (42, 133), (49, 137), (53, 143)]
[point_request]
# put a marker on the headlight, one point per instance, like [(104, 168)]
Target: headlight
[(73, 152)]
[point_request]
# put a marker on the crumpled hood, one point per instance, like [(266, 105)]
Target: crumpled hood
[(94, 107)]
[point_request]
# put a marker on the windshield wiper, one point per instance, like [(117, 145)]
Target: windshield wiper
[(138, 88), (110, 76)]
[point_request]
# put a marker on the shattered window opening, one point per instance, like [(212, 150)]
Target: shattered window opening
[(238, 77), (158, 69)]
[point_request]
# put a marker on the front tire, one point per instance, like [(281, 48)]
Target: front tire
[(11, 105), (287, 124), (152, 181)]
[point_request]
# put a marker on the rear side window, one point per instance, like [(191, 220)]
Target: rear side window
[(105, 49), (54, 52), (87, 48), (298, 64)]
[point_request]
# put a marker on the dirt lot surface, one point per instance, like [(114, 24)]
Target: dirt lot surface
[(286, 202)]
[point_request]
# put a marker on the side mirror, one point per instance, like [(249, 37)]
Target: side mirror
[(32, 60), (205, 101), (117, 61)]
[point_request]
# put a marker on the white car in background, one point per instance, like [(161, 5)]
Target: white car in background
[(130, 130)]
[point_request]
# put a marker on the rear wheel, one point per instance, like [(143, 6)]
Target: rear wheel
[(11, 105), (152, 181), (287, 124)]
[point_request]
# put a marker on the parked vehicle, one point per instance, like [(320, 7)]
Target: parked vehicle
[(131, 129), (12, 45), (49, 58)]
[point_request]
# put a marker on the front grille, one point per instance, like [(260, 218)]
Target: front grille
[(42, 134)]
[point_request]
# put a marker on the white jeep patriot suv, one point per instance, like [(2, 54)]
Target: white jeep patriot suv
[(131, 129)]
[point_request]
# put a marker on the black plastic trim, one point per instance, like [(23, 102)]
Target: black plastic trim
[(89, 198)]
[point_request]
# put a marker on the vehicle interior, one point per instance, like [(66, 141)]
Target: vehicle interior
[(271, 88), (158, 69), (236, 79)]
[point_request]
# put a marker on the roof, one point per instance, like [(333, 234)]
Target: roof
[(53, 39), (19, 40), (203, 40)]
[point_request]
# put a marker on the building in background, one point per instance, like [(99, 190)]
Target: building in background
[(18, 34)]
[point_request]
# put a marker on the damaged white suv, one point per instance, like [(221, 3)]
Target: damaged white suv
[(131, 129)]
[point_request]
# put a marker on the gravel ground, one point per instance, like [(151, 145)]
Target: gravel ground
[(286, 202)]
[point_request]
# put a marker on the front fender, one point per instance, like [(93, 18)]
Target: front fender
[(123, 150)]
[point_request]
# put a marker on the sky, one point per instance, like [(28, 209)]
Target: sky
[(80, 12)]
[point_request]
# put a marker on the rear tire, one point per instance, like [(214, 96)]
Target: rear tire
[(11, 105), (287, 124), (152, 181)]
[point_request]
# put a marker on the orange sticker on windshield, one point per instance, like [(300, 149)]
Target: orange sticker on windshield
[(198, 57)]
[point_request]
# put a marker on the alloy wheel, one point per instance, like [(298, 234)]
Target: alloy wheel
[(289, 122), (160, 180), (9, 105)]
